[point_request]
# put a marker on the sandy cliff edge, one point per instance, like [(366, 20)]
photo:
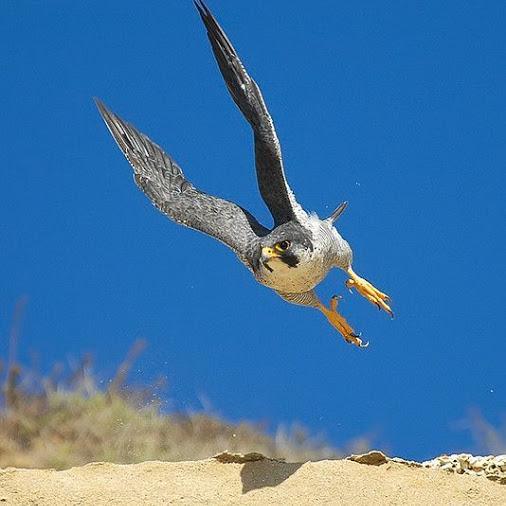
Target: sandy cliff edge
[(249, 479)]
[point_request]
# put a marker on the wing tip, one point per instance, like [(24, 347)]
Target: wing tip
[(202, 9), (100, 105), (103, 110)]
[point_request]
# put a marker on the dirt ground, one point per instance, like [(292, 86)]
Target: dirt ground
[(261, 481)]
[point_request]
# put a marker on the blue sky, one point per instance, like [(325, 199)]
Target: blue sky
[(397, 107)]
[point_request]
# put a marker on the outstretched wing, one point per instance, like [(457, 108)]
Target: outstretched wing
[(269, 164), (164, 183)]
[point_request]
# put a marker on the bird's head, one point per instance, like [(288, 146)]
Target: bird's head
[(287, 245)]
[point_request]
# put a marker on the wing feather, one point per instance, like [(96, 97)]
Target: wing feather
[(247, 95), (163, 181)]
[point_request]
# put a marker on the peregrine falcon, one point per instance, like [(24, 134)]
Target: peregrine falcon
[(292, 257)]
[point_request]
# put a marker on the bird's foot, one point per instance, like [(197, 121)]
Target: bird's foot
[(340, 324), (371, 293)]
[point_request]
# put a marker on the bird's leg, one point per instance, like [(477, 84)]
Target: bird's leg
[(368, 291), (340, 324)]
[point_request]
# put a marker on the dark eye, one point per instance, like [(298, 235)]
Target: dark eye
[(283, 245)]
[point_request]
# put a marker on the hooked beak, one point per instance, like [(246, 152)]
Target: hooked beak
[(267, 255)]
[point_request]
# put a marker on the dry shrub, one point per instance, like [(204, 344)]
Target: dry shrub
[(66, 420)]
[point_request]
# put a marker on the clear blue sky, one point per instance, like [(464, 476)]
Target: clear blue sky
[(398, 107)]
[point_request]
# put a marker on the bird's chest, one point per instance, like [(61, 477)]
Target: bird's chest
[(284, 278)]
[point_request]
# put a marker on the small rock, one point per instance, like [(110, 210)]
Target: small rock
[(372, 458)]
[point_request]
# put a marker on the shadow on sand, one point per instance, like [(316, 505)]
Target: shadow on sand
[(265, 473)]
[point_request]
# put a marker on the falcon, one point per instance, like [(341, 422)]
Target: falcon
[(295, 255)]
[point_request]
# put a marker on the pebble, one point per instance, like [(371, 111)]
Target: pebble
[(493, 467)]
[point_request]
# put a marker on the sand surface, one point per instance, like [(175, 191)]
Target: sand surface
[(261, 481)]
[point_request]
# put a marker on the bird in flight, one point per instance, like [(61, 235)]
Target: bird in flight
[(292, 257)]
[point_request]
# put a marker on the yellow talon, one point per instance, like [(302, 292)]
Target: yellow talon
[(368, 291), (340, 324)]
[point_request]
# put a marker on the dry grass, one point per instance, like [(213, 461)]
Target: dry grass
[(66, 420)]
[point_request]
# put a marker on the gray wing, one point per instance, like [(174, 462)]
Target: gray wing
[(161, 179), (269, 164)]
